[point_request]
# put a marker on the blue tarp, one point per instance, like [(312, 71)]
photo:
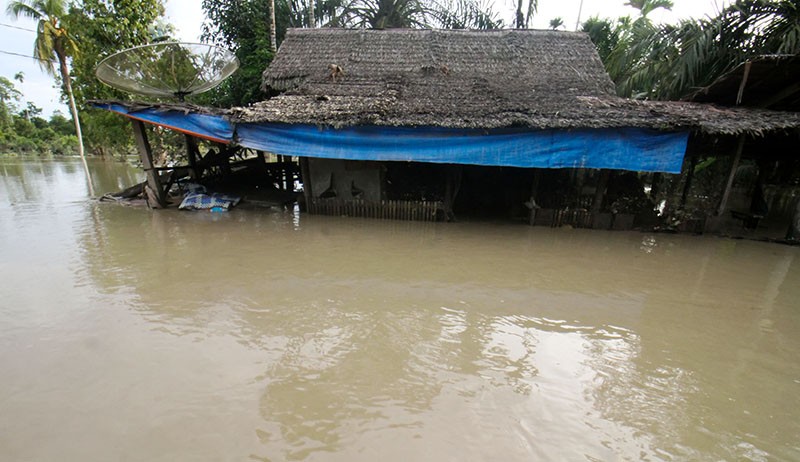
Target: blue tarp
[(208, 126), (623, 149), (633, 149)]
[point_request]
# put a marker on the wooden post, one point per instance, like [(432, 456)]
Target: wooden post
[(655, 186), (452, 185), (305, 175), (726, 195), (688, 184), (537, 176), (191, 156), (793, 233), (600, 191), (154, 192)]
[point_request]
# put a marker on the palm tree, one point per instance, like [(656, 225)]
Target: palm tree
[(382, 14), (386, 14), (695, 53), (646, 6), (53, 45), (629, 46), (463, 14), (555, 23), (525, 12)]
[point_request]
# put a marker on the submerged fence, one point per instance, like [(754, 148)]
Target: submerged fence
[(386, 210)]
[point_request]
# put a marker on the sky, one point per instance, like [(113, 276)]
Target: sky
[(187, 17)]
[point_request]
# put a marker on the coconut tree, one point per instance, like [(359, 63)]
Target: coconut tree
[(52, 47), (463, 14), (629, 46), (693, 54), (647, 6), (524, 13), (382, 14)]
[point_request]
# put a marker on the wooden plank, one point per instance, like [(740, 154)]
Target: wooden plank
[(156, 190)]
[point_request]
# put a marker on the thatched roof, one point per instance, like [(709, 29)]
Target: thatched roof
[(468, 79)]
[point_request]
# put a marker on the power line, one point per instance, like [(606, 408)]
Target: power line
[(16, 27), (24, 56)]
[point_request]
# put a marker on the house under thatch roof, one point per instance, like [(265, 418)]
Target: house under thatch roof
[(468, 79), (508, 98)]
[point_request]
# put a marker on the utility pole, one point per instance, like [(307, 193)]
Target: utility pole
[(578, 21)]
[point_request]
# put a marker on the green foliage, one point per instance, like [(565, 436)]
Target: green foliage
[(464, 14), (243, 27), (103, 28), (383, 14), (444, 14), (670, 61), (24, 132), (53, 45), (53, 42), (645, 7), (604, 34)]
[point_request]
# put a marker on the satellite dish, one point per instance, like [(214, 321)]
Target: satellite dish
[(167, 69)]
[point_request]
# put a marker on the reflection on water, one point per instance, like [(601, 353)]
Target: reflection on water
[(127, 333)]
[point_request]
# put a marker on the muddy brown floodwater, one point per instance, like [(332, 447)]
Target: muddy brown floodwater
[(128, 334)]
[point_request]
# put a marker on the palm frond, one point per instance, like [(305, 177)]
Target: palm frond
[(22, 9)]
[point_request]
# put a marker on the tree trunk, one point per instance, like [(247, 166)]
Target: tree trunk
[(67, 81), (273, 40), (312, 17)]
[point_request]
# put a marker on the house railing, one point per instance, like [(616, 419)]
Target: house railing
[(385, 209)]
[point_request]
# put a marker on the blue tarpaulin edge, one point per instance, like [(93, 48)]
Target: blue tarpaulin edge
[(635, 149), (207, 126)]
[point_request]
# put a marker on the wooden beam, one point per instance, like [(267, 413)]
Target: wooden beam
[(154, 192), (729, 185), (743, 84), (192, 152)]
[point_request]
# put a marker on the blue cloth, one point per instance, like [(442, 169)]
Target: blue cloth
[(208, 126), (624, 149), (198, 198)]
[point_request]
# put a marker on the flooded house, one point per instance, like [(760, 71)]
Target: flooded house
[(434, 124), (762, 186)]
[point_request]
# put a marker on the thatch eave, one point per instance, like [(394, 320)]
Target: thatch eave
[(582, 113)]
